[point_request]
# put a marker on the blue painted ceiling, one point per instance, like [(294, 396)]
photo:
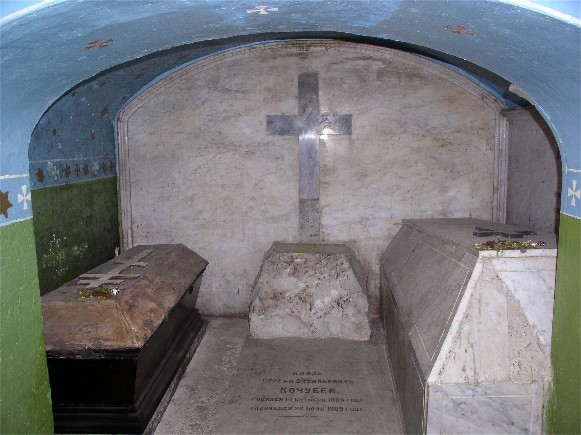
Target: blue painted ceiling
[(46, 52)]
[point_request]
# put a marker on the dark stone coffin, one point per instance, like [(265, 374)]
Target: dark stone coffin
[(116, 337)]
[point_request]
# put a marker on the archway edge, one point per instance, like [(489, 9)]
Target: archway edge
[(519, 45)]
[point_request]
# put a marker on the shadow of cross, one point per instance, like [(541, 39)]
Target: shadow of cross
[(113, 277), (308, 125)]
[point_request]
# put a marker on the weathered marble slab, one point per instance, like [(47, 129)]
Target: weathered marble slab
[(469, 325), (293, 385), (485, 409), (129, 318), (310, 291)]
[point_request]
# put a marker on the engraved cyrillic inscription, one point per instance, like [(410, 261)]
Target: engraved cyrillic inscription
[(307, 393)]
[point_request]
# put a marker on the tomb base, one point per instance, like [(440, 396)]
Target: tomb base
[(309, 291), (468, 331), (112, 356)]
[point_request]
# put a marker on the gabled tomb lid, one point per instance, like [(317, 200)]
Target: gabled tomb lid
[(459, 232), (125, 310)]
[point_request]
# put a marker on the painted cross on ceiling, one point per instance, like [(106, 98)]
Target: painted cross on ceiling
[(24, 198), (262, 10), (574, 193)]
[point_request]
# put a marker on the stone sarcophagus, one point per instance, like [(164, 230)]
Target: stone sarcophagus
[(309, 291), (117, 336), (467, 308)]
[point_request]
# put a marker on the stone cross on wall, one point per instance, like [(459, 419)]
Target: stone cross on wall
[(308, 125)]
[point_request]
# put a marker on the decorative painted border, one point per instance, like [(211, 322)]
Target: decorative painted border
[(64, 171), (15, 199), (15, 189), (571, 191)]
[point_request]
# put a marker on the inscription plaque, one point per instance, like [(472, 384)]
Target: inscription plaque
[(306, 394), (310, 386)]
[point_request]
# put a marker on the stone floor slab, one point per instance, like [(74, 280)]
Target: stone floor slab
[(203, 388), (297, 385), (232, 376)]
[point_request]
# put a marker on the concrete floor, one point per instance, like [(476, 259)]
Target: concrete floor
[(238, 384)]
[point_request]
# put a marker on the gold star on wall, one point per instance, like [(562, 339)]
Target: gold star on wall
[(40, 175), (5, 204)]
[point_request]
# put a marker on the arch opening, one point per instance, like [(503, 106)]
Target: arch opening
[(215, 66), (84, 121)]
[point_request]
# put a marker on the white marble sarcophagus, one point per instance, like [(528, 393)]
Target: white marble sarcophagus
[(468, 331), (117, 336)]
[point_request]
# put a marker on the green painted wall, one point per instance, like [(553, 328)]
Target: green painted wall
[(25, 405), (76, 228), (564, 406)]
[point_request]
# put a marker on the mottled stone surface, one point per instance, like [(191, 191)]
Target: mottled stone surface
[(125, 320), (308, 386), (534, 172), (200, 168), (310, 291), (204, 387), (233, 385), (468, 332)]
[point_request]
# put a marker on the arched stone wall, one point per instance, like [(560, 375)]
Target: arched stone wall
[(197, 166)]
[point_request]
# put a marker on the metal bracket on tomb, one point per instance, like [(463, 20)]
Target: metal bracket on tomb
[(94, 280), (308, 125), (486, 232)]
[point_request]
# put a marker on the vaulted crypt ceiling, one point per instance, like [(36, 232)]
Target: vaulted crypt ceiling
[(54, 48)]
